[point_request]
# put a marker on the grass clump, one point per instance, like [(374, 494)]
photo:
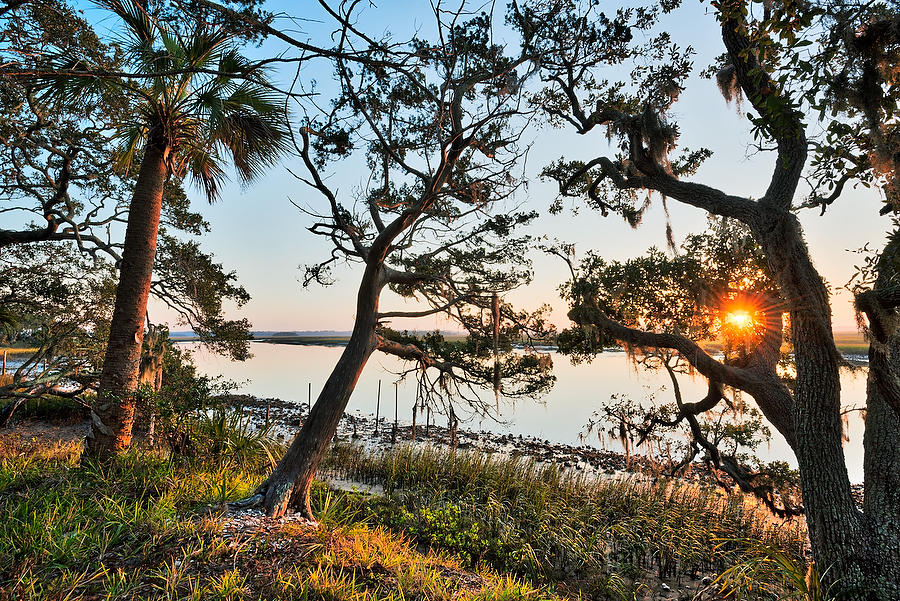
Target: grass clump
[(68, 526), (537, 521)]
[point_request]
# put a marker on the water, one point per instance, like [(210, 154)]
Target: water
[(286, 371)]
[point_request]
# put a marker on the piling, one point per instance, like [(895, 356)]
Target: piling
[(268, 411), (394, 429), (415, 408), (309, 399), (453, 426), (377, 407)]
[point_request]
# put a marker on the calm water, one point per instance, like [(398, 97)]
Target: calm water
[(287, 371)]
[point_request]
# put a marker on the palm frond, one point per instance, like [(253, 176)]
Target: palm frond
[(132, 135), (253, 142), (210, 100), (135, 17), (204, 48), (59, 87), (205, 168)]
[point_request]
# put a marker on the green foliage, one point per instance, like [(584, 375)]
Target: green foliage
[(62, 301), (188, 280), (189, 412), (231, 436), (55, 410), (146, 527), (685, 294)]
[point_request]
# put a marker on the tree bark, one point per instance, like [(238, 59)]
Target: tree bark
[(882, 472), (837, 532), (113, 416), (882, 454), (290, 483)]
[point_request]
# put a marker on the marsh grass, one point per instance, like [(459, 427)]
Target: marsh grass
[(540, 522), (16, 351)]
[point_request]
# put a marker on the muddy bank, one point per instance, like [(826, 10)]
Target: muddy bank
[(285, 419)]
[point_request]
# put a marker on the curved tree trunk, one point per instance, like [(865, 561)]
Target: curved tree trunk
[(113, 415), (840, 541), (289, 484)]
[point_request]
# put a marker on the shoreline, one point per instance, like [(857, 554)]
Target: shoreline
[(583, 461), (285, 418)]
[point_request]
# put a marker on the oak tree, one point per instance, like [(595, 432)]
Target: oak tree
[(767, 62)]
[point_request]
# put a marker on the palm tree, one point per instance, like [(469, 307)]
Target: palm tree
[(199, 103)]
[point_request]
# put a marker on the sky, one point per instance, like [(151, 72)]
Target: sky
[(262, 236)]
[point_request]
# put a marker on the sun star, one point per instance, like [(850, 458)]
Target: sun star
[(740, 319)]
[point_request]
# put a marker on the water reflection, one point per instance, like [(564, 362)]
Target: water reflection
[(287, 371)]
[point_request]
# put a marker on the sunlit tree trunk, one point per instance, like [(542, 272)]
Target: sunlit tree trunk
[(113, 416), (290, 483), (848, 557)]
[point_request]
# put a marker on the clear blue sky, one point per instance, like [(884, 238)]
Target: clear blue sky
[(261, 235)]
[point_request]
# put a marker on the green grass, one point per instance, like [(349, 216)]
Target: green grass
[(450, 526), (151, 527), (535, 521)]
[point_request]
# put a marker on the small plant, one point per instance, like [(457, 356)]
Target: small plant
[(231, 436), (769, 571)]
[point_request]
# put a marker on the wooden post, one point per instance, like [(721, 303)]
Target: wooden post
[(394, 429), (377, 407), (309, 399), (453, 425), (428, 421), (268, 411), (415, 408)]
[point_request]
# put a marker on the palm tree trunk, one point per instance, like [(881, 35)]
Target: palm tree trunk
[(290, 483), (113, 415)]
